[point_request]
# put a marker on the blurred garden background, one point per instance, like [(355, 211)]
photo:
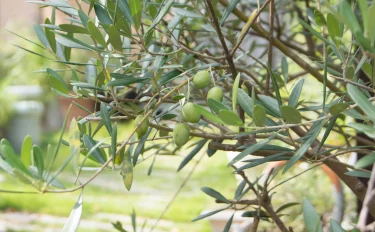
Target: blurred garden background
[(29, 107)]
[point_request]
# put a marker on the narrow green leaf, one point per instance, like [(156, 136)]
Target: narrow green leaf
[(136, 11), (27, 146), (260, 116), (290, 114), (162, 12), (75, 216), (96, 34), (362, 101), (126, 81), (229, 10), (296, 93), (270, 104), (134, 221), (228, 224), (70, 42), (215, 194), (50, 36), (216, 106), (285, 69), (97, 153), (311, 136), (192, 154), (102, 14), (364, 14), (245, 102), (140, 147), (208, 214), (251, 149), (114, 141), (114, 38), (207, 114), (286, 206), (127, 171), (84, 18), (349, 16), (331, 124), (239, 191), (361, 174), (333, 27), (366, 161), (106, 119), (57, 81), (42, 36), (71, 28), (275, 85), (311, 217), (370, 27), (256, 162), (338, 108), (168, 77), (313, 31), (235, 91), (38, 159), (230, 118)]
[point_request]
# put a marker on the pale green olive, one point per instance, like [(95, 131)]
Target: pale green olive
[(143, 127), (215, 93), (190, 113), (202, 79), (181, 134)]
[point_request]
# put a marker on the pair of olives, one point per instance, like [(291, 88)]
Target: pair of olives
[(181, 132)]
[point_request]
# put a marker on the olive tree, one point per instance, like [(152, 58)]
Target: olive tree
[(235, 70)]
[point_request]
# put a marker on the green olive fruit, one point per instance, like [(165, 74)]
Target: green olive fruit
[(244, 88), (181, 134), (190, 113), (202, 79), (143, 127), (163, 133), (215, 93)]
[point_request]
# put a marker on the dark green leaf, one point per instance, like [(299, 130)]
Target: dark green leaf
[(228, 224), (163, 11), (331, 124), (338, 108), (296, 93), (229, 10), (50, 36), (96, 34), (311, 218), (290, 114), (97, 152), (38, 159), (275, 85), (366, 161), (102, 15), (359, 98), (125, 81), (239, 190), (57, 81), (256, 162), (70, 42), (235, 91), (84, 18), (333, 27), (208, 214), (230, 118), (140, 147), (251, 149), (114, 38), (270, 104), (136, 11), (255, 213), (311, 136), (287, 205), (215, 194), (313, 31), (73, 28), (216, 106), (192, 154), (12, 159), (362, 174), (42, 36), (245, 102), (168, 77), (259, 117), (207, 114), (106, 119)]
